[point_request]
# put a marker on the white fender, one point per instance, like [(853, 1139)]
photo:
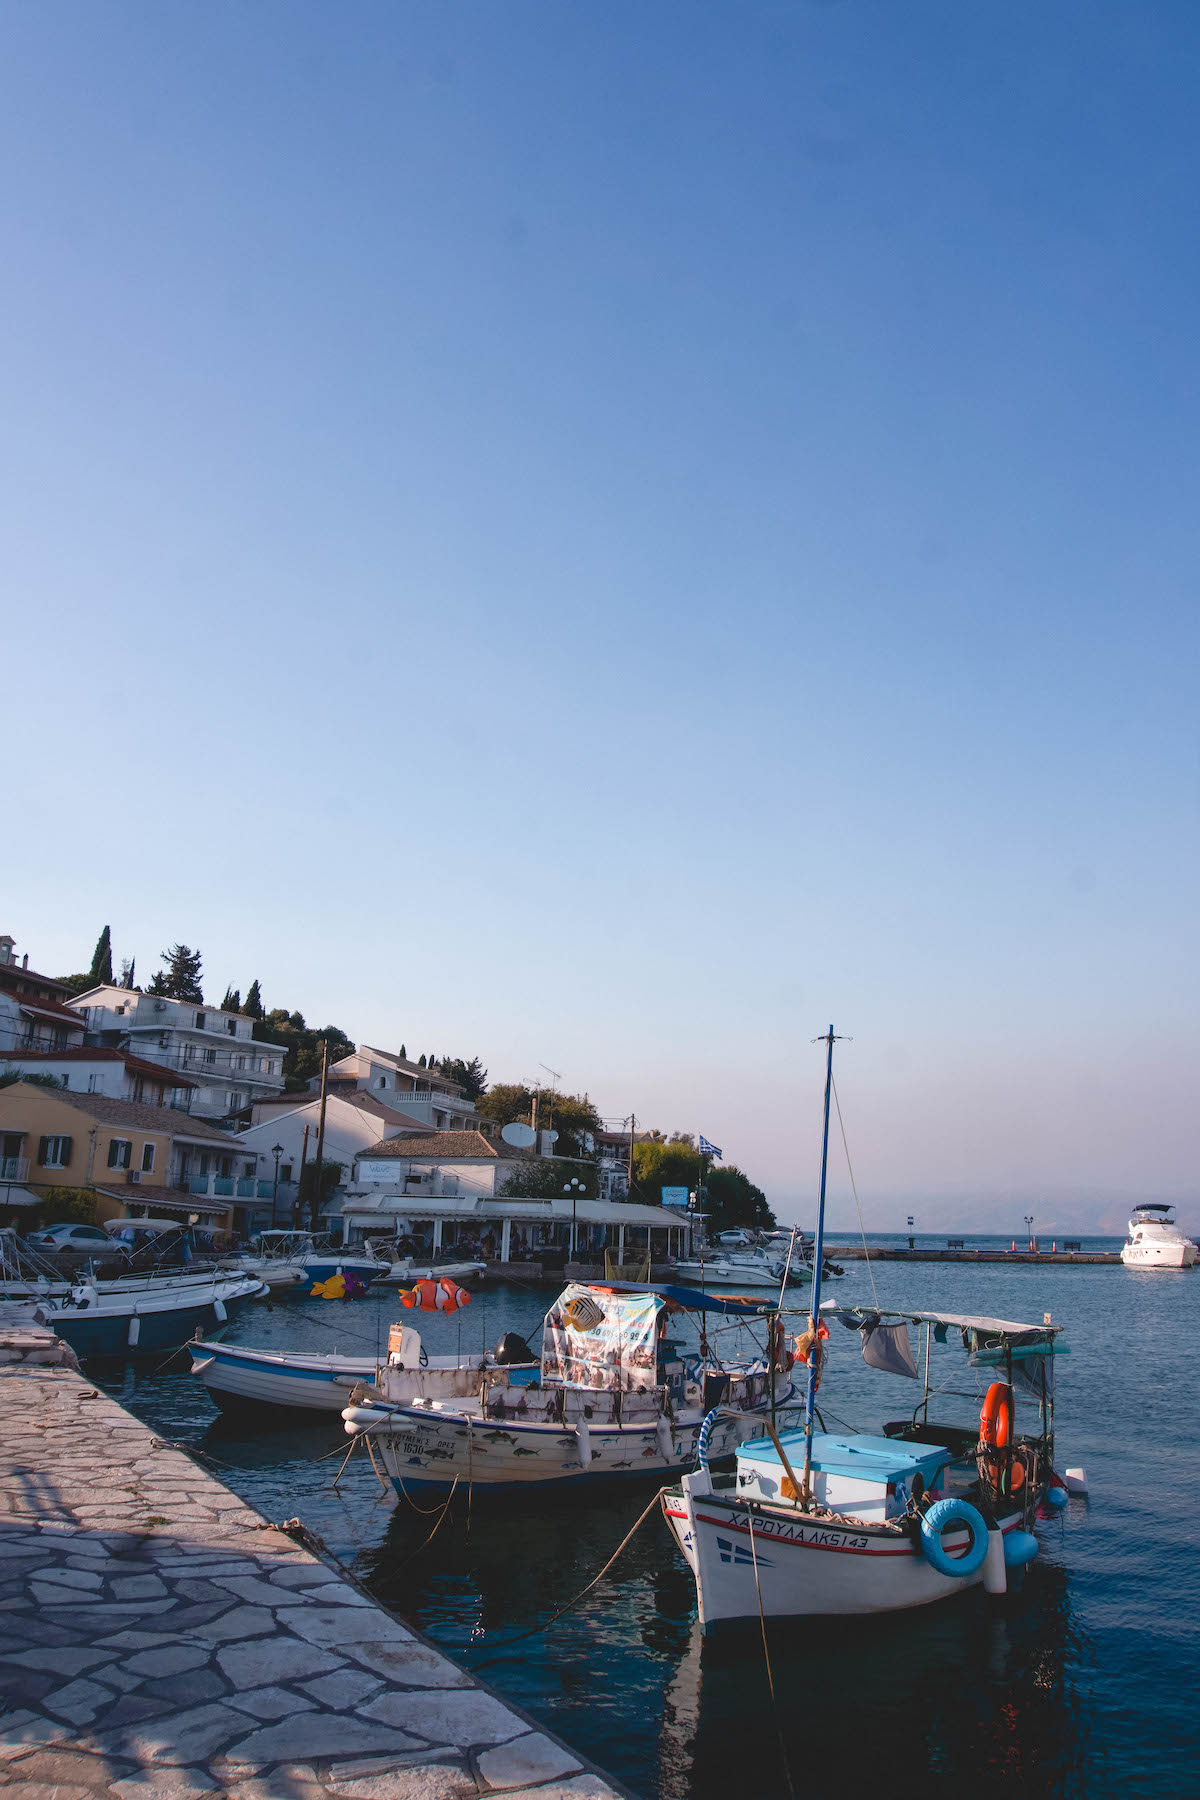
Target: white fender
[(666, 1444), (585, 1443), (219, 1310), (135, 1331), (995, 1576)]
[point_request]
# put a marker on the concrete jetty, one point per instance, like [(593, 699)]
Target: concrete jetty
[(160, 1640)]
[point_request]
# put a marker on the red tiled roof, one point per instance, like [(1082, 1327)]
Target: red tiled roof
[(166, 1119), (360, 1097), (82, 1053), (445, 1146), (50, 1009)]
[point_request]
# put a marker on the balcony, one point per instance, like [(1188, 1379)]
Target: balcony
[(14, 1168), (225, 1187)]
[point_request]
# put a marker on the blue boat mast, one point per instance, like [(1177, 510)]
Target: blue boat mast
[(814, 1322)]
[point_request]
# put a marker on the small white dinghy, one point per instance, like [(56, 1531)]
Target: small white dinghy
[(238, 1376)]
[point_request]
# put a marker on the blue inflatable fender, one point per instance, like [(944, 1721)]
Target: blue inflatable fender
[(954, 1512), (1055, 1497), (1020, 1547)]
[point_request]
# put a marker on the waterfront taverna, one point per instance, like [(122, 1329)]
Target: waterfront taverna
[(454, 1192)]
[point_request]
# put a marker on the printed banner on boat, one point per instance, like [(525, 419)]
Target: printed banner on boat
[(619, 1352)]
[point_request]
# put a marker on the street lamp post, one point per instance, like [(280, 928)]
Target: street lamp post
[(911, 1242), (276, 1152), (574, 1187), (1029, 1229)]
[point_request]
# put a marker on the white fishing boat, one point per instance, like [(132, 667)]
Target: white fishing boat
[(743, 1269), (402, 1271), (814, 1523), (162, 1315), (615, 1396), (1155, 1241), (299, 1261), (238, 1376)]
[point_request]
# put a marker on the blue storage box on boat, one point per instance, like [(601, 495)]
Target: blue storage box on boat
[(868, 1477)]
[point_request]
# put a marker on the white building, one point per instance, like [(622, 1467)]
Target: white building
[(443, 1191), (353, 1122), (215, 1048), (118, 1074), (426, 1093)]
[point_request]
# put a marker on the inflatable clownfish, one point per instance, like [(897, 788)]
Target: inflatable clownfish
[(436, 1296)]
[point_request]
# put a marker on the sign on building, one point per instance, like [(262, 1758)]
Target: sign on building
[(675, 1196)]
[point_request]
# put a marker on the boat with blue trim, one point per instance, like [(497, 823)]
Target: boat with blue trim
[(810, 1522)]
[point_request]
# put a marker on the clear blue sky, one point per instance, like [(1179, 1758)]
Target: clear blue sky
[(611, 536)]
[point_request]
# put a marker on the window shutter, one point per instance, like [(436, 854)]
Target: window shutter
[(43, 1151), (113, 1154), (66, 1150)]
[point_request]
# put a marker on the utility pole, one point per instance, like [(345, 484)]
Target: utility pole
[(297, 1215), (632, 1123), (316, 1199)]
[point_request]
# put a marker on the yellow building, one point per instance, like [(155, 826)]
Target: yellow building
[(123, 1152)]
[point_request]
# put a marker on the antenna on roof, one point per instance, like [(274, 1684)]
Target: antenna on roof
[(557, 1074)]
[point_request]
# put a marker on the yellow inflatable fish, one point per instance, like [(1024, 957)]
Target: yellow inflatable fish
[(333, 1289), (582, 1313)]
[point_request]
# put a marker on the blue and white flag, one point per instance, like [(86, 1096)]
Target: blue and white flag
[(707, 1149)]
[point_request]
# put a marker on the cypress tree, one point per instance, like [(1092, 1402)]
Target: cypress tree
[(253, 1008), (101, 969)]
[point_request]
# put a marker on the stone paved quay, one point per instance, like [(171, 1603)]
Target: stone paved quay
[(159, 1640)]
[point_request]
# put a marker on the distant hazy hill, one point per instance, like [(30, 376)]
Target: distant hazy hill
[(1067, 1214)]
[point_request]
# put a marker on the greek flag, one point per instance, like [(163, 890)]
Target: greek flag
[(707, 1149)]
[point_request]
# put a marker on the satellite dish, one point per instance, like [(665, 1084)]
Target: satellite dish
[(519, 1136), (553, 1136)]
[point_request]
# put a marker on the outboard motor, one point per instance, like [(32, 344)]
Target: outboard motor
[(513, 1349)]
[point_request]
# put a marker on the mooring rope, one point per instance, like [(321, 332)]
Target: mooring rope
[(563, 1610)]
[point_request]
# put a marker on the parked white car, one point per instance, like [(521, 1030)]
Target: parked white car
[(69, 1237)]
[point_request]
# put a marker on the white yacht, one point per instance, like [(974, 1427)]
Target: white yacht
[(1155, 1241)]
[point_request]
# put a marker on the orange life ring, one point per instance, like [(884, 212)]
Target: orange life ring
[(996, 1417)]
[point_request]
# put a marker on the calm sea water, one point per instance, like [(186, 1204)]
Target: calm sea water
[(1082, 1682)]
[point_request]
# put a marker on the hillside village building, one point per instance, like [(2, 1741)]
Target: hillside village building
[(425, 1093), (217, 1049), (34, 1014), (135, 1159)]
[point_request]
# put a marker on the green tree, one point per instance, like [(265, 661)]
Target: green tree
[(66, 1206), (180, 980), (403, 1054), (301, 1046), (101, 969), (232, 1001), (253, 1008), (659, 1163), (312, 1195), (77, 984), (734, 1200), (421, 1060), (572, 1115), (546, 1177), (11, 1076), (471, 1076)]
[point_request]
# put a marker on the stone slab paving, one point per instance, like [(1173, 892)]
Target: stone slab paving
[(159, 1640)]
